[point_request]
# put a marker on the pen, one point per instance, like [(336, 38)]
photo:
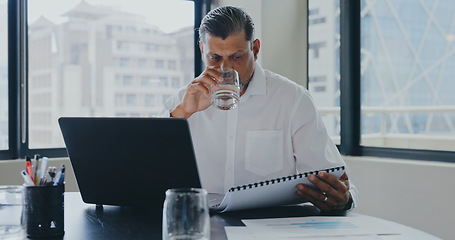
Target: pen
[(42, 171), (51, 173), (29, 168), (60, 176), (27, 179), (35, 176)]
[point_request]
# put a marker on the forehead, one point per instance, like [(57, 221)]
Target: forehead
[(233, 43)]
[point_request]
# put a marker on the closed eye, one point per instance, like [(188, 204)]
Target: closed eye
[(214, 58)]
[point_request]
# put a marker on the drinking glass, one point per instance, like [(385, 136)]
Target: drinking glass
[(186, 214), (226, 96), (12, 224)]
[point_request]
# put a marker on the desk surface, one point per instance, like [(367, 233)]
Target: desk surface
[(84, 221)]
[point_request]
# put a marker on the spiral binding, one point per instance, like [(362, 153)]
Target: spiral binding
[(283, 179)]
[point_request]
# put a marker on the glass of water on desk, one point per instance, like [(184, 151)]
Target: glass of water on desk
[(186, 215), (226, 96), (12, 225)]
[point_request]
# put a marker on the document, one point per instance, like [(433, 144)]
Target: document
[(243, 233), (361, 227), (270, 193)]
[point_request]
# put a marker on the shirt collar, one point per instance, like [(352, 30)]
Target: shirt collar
[(258, 84)]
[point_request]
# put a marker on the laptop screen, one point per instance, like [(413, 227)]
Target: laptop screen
[(129, 161)]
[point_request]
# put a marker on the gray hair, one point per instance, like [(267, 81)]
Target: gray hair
[(224, 21)]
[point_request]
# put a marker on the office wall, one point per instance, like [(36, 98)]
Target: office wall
[(419, 194), (10, 172)]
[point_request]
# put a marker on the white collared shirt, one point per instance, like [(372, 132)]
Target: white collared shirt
[(274, 131)]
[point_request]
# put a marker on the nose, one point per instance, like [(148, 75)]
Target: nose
[(225, 65)]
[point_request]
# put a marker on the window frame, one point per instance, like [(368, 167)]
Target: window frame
[(18, 142), (350, 100)]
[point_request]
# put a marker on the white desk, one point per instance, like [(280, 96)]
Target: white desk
[(84, 221), (350, 226)]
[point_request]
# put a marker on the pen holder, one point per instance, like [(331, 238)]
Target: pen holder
[(44, 211)]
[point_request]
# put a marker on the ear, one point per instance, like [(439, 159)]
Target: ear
[(256, 47), (201, 47)]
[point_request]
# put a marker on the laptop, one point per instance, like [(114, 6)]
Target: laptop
[(129, 161)]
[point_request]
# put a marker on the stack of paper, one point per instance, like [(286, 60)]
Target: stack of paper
[(358, 227)]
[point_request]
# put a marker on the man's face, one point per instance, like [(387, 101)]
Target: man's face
[(234, 51)]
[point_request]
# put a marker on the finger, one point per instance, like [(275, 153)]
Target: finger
[(325, 183), (338, 190), (317, 198), (333, 181), (345, 181), (207, 79), (321, 184), (197, 87), (213, 73)]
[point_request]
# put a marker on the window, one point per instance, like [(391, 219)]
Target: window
[(128, 81), (172, 65), (131, 100), (408, 74), (318, 88), (403, 75), (159, 64), (149, 100), (163, 82), (3, 76), (95, 34), (146, 82), (323, 67), (142, 63), (78, 57), (175, 82), (124, 62)]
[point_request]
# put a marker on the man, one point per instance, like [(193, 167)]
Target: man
[(274, 131)]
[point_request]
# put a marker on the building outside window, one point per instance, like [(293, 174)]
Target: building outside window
[(146, 81), (323, 62), (142, 63), (172, 65), (128, 81), (150, 100), (407, 71), (131, 100), (159, 64), (3, 76), (87, 52), (163, 82), (118, 99), (175, 82)]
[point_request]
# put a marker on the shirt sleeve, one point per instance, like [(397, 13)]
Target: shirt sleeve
[(172, 102), (312, 146)]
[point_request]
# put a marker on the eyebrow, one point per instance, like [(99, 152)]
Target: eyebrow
[(238, 52)]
